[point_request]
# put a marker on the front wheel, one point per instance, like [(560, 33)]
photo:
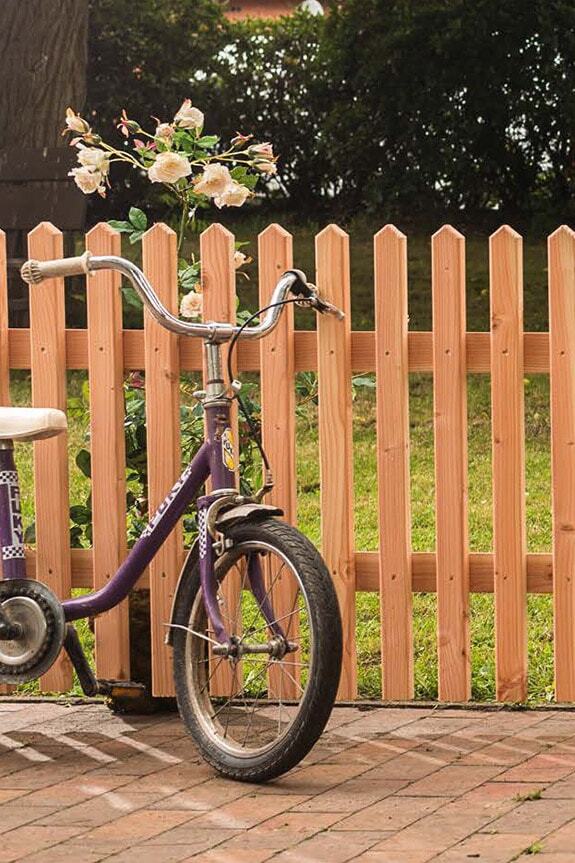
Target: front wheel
[(256, 715)]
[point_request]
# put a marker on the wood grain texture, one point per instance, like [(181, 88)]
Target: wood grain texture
[(219, 291), (539, 571), (277, 364), (450, 426), (420, 351), (163, 440), (335, 439), (508, 437), (562, 343), (48, 365), (108, 451), (390, 254)]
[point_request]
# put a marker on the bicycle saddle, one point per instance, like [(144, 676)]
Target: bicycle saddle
[(26, 424)]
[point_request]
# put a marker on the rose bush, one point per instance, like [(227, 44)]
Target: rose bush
[(194, 169)]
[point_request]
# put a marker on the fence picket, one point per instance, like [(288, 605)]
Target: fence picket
[(219, 304), (278, 415), (108, 451), (48, 367), (450, 426), (335, 439), (163, 440), (562, 361), (390, 251), (508, 433)]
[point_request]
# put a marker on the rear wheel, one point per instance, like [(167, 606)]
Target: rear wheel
[(256, 715)]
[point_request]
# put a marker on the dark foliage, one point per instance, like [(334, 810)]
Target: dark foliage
[(391, 106)]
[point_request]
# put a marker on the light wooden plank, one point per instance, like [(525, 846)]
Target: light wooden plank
[(278, 422), (163, 440), (562, 343), (108, 452), (219, 304), (48, 364), (335, 439), (450, 426), (481, 567), (508, 436), (420, 345), (390, 253), (539, 571)]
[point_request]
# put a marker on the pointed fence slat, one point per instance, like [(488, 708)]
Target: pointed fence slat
[(391, 321), (278, 419), (450, 425), (562, 340), (107, 448), (48, 366), (335, 439), (219, 304), (508, 433), (163, 441)]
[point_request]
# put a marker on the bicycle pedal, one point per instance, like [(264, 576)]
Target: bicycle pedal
[(121, 688)]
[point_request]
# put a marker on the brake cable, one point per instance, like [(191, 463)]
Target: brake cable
[(256, 436)]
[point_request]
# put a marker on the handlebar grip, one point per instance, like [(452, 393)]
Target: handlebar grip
[(35, 272)]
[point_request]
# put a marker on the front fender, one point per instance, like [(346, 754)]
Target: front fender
[(243, 512)]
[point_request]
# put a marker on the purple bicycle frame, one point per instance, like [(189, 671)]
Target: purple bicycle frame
[(209, 461)]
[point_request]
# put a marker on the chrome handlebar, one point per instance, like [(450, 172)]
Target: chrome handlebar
[(293, 281)]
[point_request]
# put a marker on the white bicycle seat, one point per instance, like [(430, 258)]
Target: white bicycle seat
[(26, 424)]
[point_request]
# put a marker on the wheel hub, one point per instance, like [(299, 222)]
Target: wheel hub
[(25, 611), (37, 616)]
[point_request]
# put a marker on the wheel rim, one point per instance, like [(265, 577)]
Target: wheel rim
[(248, 706)]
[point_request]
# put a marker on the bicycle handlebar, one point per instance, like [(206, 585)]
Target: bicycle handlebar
[(293, 281)]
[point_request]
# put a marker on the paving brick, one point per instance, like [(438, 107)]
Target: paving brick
[(335, 848), (498, 848), (351, 796), (131, 829), (247, 811), (393, 813), (451, 781)]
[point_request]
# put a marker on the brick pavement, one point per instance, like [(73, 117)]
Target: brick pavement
[(389, 785)]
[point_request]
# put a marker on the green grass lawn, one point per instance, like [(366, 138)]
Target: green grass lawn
[(422, 479)]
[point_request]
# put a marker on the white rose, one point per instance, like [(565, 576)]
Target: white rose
[(239, 259), (169, 168), (234, 196), (95, 158), (165, 131), (188, 117), (87, 179), (191, 305), (76, 123), (265, 149), (266, 167), (214, 181)]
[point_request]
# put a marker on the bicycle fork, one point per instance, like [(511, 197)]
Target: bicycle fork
[(232, 645)]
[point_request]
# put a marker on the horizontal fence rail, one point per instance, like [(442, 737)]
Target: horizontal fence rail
[(395, 572)]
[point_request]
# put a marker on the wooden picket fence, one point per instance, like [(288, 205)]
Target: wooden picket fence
[(392, 352)]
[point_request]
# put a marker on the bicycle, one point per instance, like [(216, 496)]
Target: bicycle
[(256, 670)]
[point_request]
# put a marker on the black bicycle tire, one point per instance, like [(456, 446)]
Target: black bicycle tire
[(320, 691)]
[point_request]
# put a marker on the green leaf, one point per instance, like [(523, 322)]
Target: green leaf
[(122, 227), (30, 534), (135, 237), (83, 461), (138, 219), (131, 297), (206, 142), (80, 514)]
